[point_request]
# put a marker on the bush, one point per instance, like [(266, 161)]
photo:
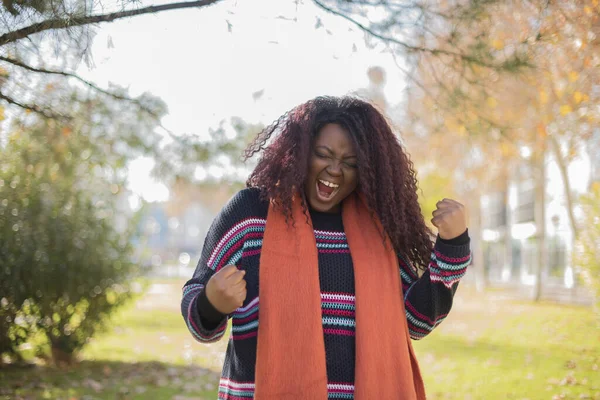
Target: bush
[(64, 265), (587, 254)]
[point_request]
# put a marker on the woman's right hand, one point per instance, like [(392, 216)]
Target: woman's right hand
[(226, 289)]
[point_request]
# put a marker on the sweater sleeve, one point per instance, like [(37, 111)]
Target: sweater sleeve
[(428, 299), (223, 246)]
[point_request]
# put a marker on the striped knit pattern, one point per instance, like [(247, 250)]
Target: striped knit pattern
[(244, 237), (245, 321), (331, 242), (232, 390), (448, 270), (188, 305), (339, 314), (340, 391), (236, 236)]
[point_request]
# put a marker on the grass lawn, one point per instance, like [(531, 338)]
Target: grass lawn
[(488, 348)]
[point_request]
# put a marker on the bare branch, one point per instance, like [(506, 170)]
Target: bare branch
[(74, 76), (62, 23), (33, 107), (406, 46)]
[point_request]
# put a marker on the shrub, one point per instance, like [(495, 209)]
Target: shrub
[(64, 263)]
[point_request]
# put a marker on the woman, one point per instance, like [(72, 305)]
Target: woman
[(317, 263)]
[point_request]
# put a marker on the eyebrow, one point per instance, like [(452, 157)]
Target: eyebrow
[(331, 152)]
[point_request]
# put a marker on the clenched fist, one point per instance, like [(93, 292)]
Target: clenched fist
[(226, 290), (450, 218)]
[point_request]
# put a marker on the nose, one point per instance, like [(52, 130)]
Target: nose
[(334, 169)]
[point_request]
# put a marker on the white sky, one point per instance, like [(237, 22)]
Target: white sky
[(206, 74)]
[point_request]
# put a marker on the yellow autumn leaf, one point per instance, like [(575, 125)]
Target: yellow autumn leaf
[(578, 97), (498, 44), (541, 128), (2, 116), (492, 102), (506, 149), (462, 131), (573, 76), (588, 10), (566, 109), (595, 2), (543, 97), (450, 124)]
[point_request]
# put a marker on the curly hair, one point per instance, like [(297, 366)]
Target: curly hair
[(386, 175)]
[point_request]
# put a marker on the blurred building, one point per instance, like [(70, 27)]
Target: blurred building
[(174, 231), (509, 230)]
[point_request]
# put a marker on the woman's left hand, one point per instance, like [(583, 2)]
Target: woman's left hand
[(450, 218)]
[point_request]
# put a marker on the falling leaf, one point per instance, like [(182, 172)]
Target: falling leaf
[(66, 131), (565, 109), (541, 128), (2, 116), (319, 23), (578, 97), (498, 44), (492, 102), (543, 97), (573, 76)]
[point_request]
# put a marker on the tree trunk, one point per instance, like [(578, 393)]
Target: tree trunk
[(540, 214), (562, 166)]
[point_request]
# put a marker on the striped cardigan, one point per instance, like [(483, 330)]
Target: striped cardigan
[(235, 237)]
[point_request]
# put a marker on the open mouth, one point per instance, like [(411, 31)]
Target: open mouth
[(326, 190)]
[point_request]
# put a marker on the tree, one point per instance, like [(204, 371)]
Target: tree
[(587, 254), (66, 265), (460, 108), (30, 28)]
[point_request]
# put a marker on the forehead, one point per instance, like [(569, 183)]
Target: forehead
[(335, 137)]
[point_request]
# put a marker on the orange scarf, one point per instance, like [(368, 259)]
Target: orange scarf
[(290, 362)]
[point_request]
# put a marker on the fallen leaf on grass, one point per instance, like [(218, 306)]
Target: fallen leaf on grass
[(140, 389), (162, 382), (568, 380), (571, 364), (94, 385)]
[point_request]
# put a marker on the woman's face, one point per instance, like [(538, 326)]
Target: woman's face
[(332, 169)]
